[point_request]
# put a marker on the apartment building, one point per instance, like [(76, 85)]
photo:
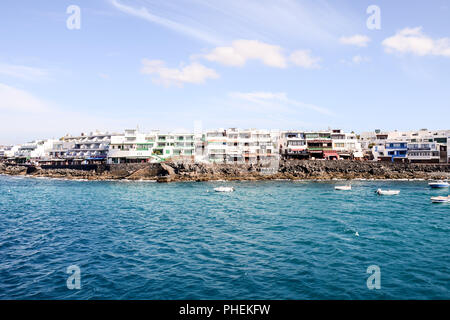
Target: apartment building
[(3, 152), (234, 146), (135, 147), (330, 144), (346, 145), (87, 148), (320, 145), (428, 146), (413, 146), (30, 151), (293, 145), (59, 152), (241, 146)]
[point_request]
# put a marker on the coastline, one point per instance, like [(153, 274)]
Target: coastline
[(294, 170)]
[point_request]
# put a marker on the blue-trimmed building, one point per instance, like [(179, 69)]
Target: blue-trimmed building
[(396, 150)]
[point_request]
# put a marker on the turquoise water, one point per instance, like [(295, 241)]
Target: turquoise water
[(266, 240)]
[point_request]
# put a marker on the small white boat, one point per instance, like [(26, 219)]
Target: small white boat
[(439, 184), (343, 188), (224, 189), (387, 192), (440, 199)]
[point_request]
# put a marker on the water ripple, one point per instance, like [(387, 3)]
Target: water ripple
[(267, 240)]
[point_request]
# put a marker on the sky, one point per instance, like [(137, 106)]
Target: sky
[(174, 65)]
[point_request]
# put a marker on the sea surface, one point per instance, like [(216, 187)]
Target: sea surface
[(266, 240)]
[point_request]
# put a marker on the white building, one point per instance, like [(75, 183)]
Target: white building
[(31, 151), (346, 145), (241, 146), (370, 139), (3, 152), (87, 148), (11, 151), (134, 147), (415, 146), (320, 144), (293, 145), (423, 151), (216, 148), (428, 146)]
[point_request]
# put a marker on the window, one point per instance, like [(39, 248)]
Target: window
[(142, 147)]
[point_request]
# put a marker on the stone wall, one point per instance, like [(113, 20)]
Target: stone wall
[(288, 169)]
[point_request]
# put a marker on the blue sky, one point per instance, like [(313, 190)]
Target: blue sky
[(265, 64)]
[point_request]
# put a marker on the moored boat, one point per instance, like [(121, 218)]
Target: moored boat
[(343, 188), (440, 199), (224, 189), (439, 184), (387, 192)]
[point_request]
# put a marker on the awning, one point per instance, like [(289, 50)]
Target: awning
[(328, 153), (298, 148)]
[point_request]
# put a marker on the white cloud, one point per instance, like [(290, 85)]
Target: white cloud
[(23, 72), (360, 59), (304, 59), (143, 13), (192, 73), (356, 40), (104, 76), (13, 99), (241, 51), (413, 40), (277, 100)]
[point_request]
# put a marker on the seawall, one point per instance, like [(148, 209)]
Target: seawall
[(292, 169)]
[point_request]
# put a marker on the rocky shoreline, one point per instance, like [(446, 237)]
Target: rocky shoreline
[(286, 170)]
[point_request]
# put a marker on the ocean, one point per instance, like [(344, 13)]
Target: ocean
[(266, 240)]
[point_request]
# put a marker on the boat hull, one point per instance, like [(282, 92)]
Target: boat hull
[(387, 192), (224, 189), (343, 188), (440, 199), (436, 186)]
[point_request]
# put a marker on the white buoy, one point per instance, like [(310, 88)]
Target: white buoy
[(357, 234)]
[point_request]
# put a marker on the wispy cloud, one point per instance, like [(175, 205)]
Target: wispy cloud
[(356, 40), (143, 13), (193, 73), (13, 99), (218, 22), (23, 72), (277, 100), (41, 118)]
